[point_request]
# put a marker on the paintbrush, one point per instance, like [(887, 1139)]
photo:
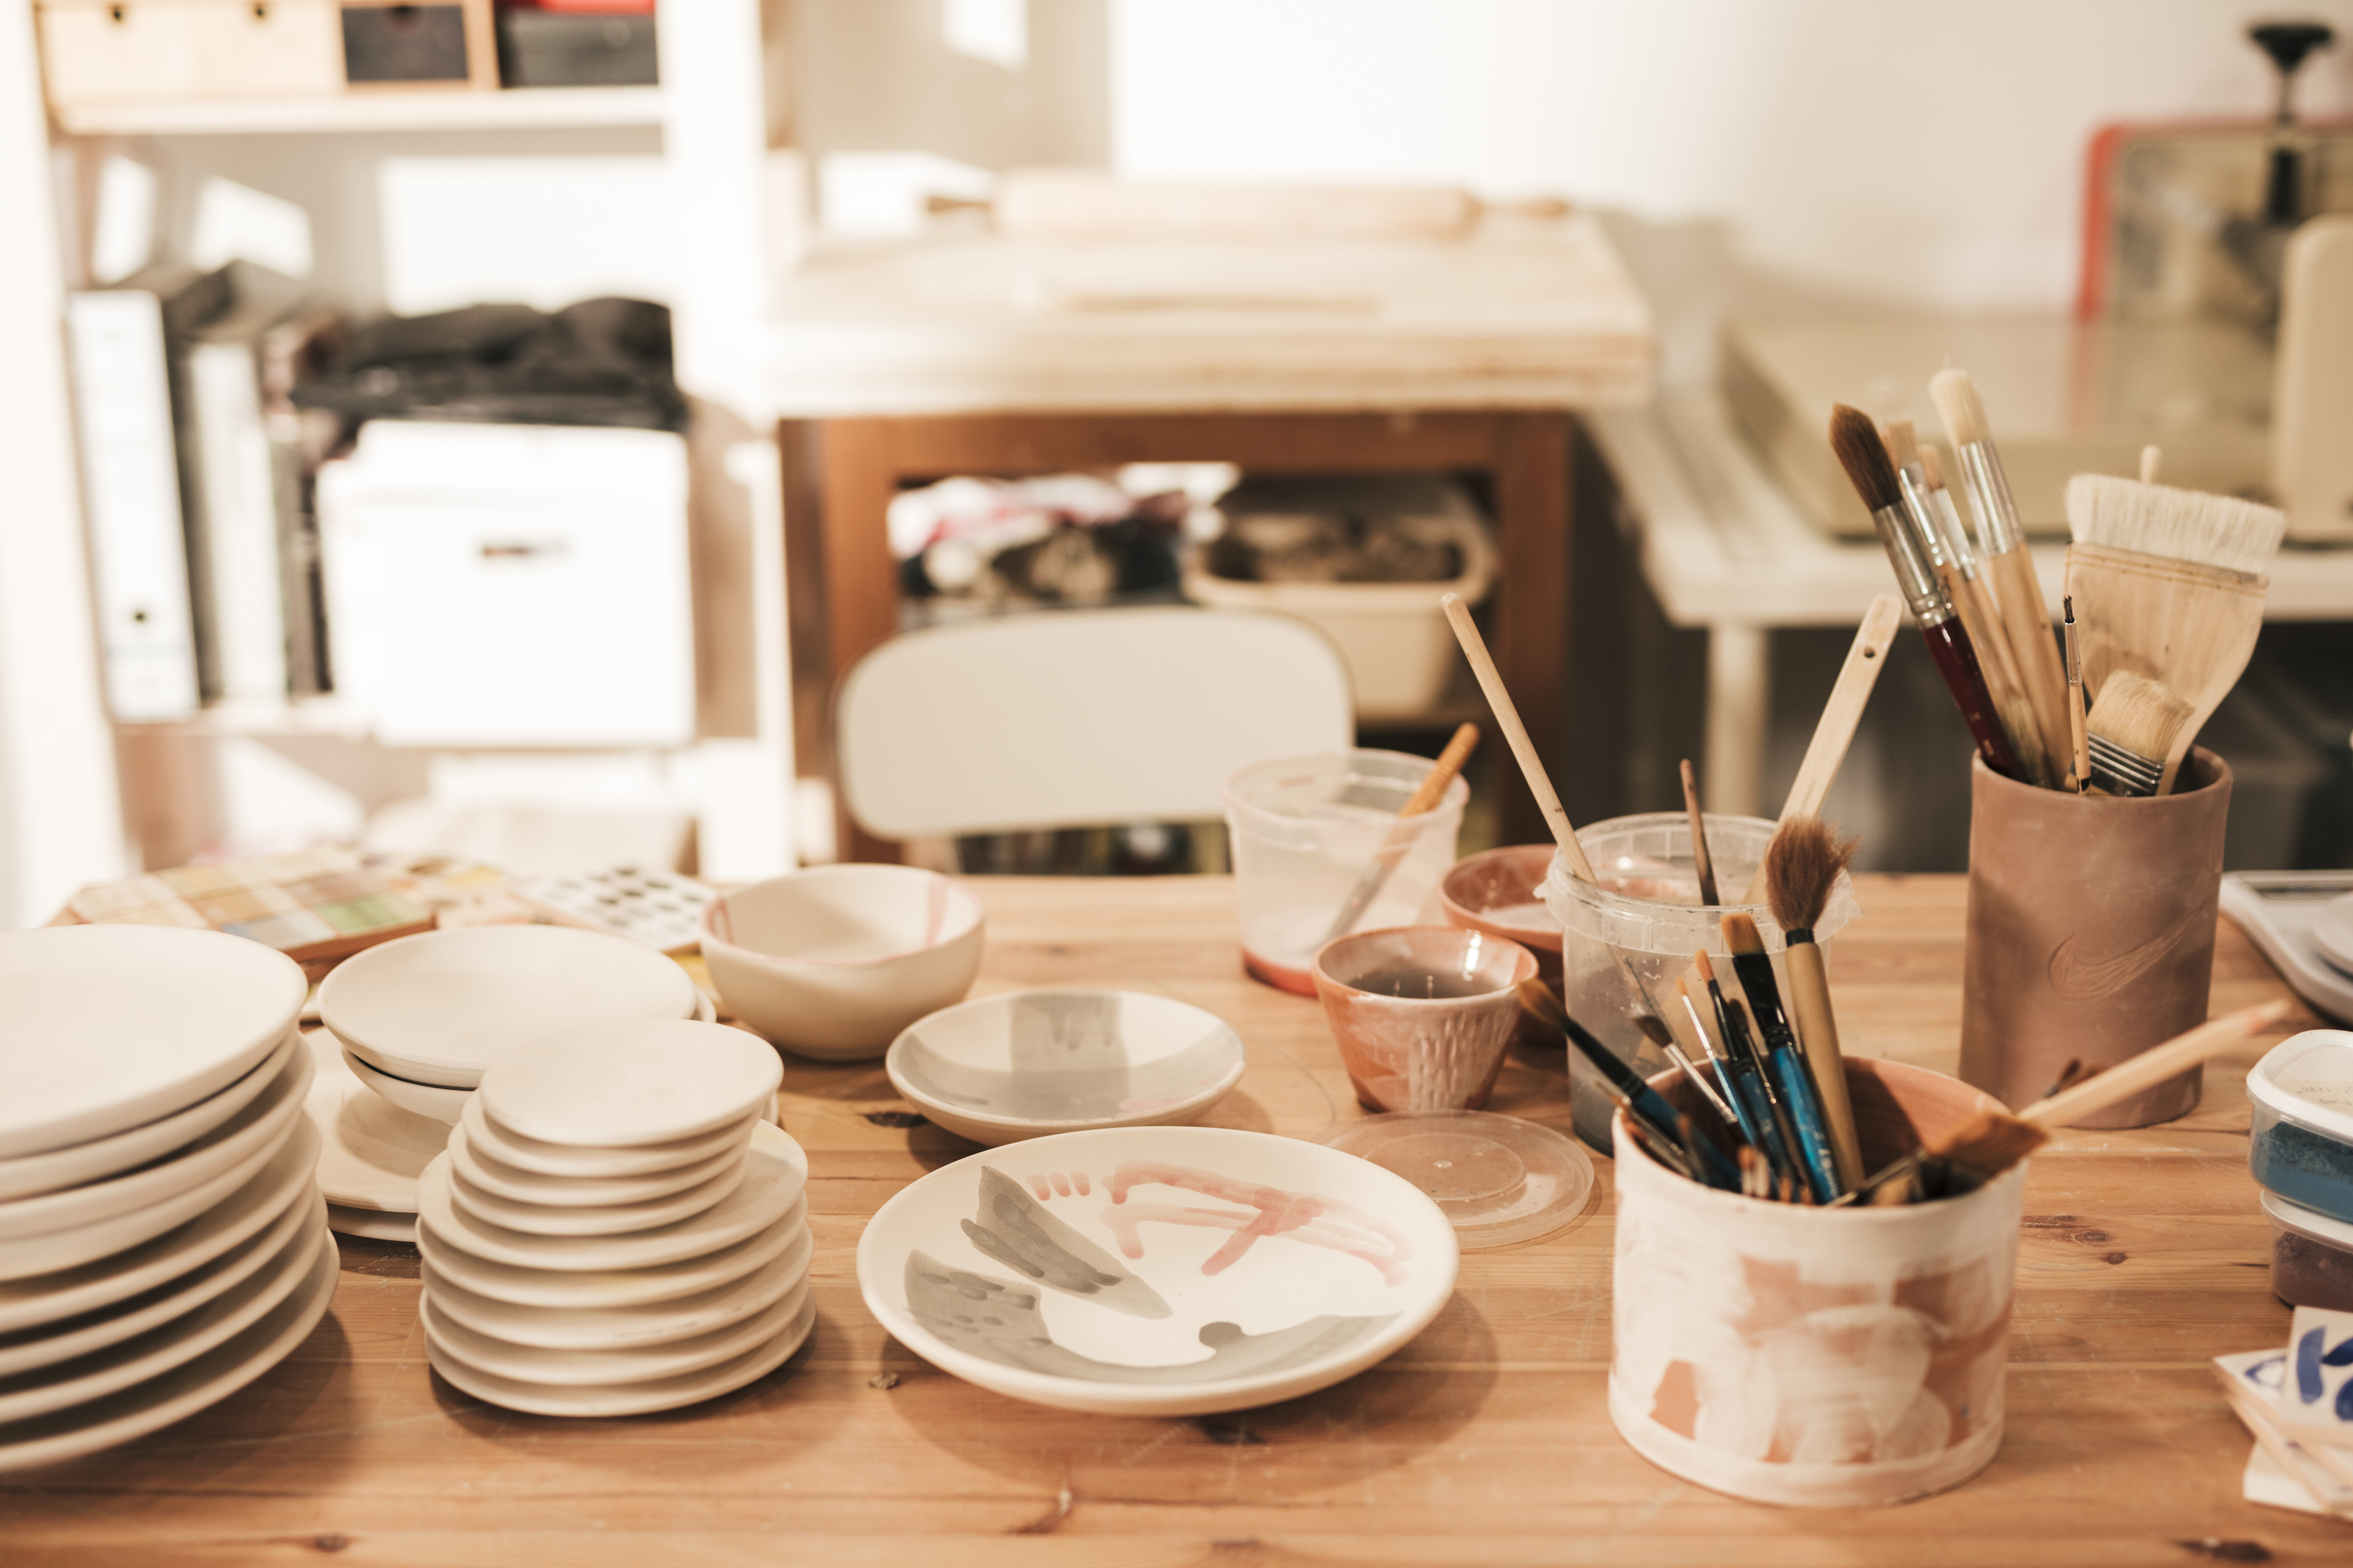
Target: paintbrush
[(2172, 587), (1736, 1114), (1641, 1101), (1802, 866), (2025, 613), (1399, 843), (2079, 740), (1761, 1121), (1940, 535), (1793, 1083), (2130, 731), (1856, 441), (1990, 1141), (1700, 862), (1654, 1029)]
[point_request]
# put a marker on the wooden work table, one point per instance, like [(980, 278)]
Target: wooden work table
[(1486, 1441)]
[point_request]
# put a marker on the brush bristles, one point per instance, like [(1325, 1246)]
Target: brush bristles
[(1706, 970), (1990, 1142), (1741, 935), (2138, 714), (1802, 866), (1955, 397), (2186, 525), (1903, 442), (1864, 456), (1932, 466)]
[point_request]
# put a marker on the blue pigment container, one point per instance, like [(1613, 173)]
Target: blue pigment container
[(2301, 1141)]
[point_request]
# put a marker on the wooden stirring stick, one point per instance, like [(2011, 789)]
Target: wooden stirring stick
[(1491, 681), (1424, 800), (1700, 861), (1834, 731)]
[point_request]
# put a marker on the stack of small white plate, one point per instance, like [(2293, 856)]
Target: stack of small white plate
[(413, 1024), (162, 1240), (613, 1229)]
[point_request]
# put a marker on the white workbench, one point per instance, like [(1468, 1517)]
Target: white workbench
[(1724, 548)]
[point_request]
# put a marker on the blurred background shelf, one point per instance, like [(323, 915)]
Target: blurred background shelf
[(517, 108)]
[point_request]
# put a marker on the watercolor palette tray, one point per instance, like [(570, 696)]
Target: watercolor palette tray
[(311, 905), (1157, 1270)]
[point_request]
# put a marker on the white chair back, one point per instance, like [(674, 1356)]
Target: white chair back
[(1080, 718)]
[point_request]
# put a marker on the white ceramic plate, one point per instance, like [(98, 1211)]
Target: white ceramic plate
[(636, 1363), (1157, 1270), (439, 1007), (1002, 1069), (55, 1250), (372, 1225), (628, 1398), (260, 1124), (83, 1163), (55, 1296), (622, 1327), (49, 1343), (556, 1159), (610, 1219), (184, 1390), (167, 1345), (589, 1289), (777, 1172), (372, 1151), (109, 1027), (429, 1100), (629, 1082), (492, 1174)]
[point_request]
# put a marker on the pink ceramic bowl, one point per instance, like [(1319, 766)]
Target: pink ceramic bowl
[(1424, 1014)]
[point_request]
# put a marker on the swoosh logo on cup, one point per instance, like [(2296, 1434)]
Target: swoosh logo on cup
[(2079, 979)]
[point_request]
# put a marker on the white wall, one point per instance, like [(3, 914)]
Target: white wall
[(1914, 151)]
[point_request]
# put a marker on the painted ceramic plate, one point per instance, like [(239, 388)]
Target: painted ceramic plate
[(184, 1390), (68, 1293), (1157, 1270), (441, 1006), (1002, 1068), (112, 1026)]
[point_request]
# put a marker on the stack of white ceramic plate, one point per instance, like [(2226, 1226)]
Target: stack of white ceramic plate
[(412, 1025), (162, 1240), (614, 1228)]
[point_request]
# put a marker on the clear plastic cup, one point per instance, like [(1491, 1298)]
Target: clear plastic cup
[(1646, 917), (1304, 832)]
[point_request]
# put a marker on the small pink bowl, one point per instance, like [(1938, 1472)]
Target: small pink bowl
[(1424, 1014)]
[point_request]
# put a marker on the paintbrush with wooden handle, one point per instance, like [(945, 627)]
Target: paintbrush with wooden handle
[(1802, 868)]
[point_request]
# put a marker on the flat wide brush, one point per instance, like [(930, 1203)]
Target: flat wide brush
[(2131, 731), (1802, 866), (1856, 441), (2167, 584)]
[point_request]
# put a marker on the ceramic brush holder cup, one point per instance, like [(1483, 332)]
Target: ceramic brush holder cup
[(2091, 932), (1646, 911), (1816, 1357)]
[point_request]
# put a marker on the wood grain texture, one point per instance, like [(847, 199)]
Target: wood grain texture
[(1484, 1440)]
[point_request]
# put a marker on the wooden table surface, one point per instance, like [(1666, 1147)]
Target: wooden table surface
[(1486, 1441)]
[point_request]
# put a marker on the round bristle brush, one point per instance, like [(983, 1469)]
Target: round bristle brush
[(1802, 868)]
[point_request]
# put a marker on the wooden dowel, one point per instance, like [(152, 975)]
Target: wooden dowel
[(2154, 1065), (1491, 681), (1834, 731)]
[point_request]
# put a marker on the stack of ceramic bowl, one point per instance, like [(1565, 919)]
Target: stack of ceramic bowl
[(613, 1229), (162, 1241), (410, 1027)]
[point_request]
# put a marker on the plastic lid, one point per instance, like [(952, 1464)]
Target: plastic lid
[(2308, 1221), (1499, 1179), (2308, 1077)]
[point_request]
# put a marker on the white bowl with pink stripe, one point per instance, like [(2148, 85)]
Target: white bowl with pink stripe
[(833, 962)]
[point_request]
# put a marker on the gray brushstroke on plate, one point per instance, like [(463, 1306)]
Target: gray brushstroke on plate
[(1070, 1085), (1016, 1230), (998, 1321)]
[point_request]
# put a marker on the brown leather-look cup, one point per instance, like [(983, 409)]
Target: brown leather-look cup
[(2091, 932)]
